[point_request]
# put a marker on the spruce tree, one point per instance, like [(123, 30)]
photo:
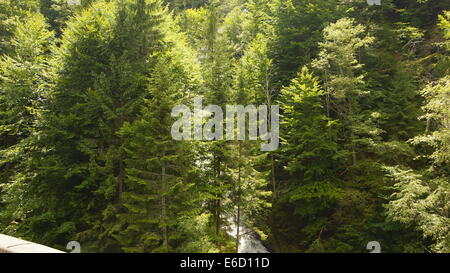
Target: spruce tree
[(217, 65), (98, 82), (156, 190), (23, 83), (10, 12), (421, 198), (310, 155)]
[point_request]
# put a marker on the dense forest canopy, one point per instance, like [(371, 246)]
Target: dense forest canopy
[(87, 90)]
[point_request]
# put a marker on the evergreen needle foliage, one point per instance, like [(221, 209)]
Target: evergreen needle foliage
[(86, 97)]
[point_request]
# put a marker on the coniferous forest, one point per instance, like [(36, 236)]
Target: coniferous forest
[(87, 89)]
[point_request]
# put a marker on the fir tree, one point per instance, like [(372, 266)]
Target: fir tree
[(157, 189), (23, 82), (310, 154), (98, 84)]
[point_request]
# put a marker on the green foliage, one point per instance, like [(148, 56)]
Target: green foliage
[(10, 12), (421, 198), (423, 204), (157, 191), (254, 73), (310, 155), (198, 230), (298, 28), (86, 152), (23, 76), (23, 79)]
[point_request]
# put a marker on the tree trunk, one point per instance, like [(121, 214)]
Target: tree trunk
[(238, 217), (218, 204), (218, 201), (163, 204), (120, 178)]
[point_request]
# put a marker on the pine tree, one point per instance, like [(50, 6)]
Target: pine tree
[(357, 215), (10, 12), (58, 12), (338, 61), (22, 76), (298, 26), (310, 154), (98, 84), (86, 152), (217, 65), (157, 190), (421, 199), (250, 196), (23, 80)]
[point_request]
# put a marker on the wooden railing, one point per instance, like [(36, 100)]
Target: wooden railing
[(10, 244)]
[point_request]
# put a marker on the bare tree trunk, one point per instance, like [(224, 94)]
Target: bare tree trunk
[(273, 177), (163, 203), (120, 178), (353, 153), (328, 95), (269, 95), (238, 226), (238, 218), (351, 121), (218, 204), (218, 201)]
